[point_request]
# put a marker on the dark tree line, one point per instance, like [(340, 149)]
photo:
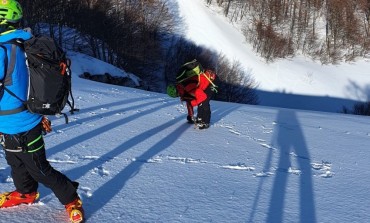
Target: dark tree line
[(137, 36), (127, 34)]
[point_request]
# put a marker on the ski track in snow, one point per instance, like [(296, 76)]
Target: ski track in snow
[(322, 169)]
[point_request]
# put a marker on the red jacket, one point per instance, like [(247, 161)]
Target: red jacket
[(192, 89)]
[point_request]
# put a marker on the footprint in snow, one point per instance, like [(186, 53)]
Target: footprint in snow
[(324, 169), (234, 132), (86, 191), (7, 179), (90, 157), (62, 161), (239, 166), (263, 174), (184, 160), (267, 130), (100, 170), (267, 146)]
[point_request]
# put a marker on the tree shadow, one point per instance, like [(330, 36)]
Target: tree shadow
[(220, 112), (94, 133), (356, 90), (133, 168), (303, 102), (84, 137)]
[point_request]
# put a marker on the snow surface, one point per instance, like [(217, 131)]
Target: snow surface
[(137, 160)]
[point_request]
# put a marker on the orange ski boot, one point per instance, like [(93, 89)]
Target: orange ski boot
[(75, 211), (14, 198)]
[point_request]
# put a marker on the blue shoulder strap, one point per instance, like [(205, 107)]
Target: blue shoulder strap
[(2, 83), (7, 80)]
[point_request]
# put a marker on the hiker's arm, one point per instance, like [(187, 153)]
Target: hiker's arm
[(190, 109), (200, 96)]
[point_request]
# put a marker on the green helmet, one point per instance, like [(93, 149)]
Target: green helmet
[(11, 11), (171, 91)]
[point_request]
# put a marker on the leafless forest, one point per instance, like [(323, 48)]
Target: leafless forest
[(327, 30)]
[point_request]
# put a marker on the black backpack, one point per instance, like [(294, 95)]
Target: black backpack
[(49, 76)]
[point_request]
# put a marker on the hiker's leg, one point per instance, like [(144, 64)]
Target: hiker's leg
[(22, 180), (41, 170)]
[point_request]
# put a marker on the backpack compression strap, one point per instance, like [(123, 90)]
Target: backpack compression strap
[(8, 80), (210, 81)]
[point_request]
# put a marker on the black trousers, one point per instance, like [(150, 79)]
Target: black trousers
[(204, 108), (28, 168)]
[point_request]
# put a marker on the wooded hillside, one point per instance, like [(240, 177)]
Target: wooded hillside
[(328, 30)]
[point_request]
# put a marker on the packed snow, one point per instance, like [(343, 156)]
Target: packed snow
[(137, 160)]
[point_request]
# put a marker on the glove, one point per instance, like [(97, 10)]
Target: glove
[(214, 89)]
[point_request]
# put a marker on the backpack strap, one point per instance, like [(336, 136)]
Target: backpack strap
[(7, 80), (72, 102), (214, 87), (13, 111), (11, 64), (210, 81)]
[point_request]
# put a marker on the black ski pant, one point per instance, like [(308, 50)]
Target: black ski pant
[(204, 108), (30, 166)]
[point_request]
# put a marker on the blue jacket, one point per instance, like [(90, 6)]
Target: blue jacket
[(24, 120)]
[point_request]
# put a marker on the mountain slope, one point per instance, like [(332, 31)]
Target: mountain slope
[(297, 83)]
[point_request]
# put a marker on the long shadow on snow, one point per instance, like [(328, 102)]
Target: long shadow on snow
[(102, 129), (133, 168), (288, 138), (85, 110), (78, 139), (60, 147), (219, 113), (79, 122)]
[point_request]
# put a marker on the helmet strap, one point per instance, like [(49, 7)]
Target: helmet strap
[(6, 27)]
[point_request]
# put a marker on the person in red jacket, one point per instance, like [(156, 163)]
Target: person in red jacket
[(195, 86)]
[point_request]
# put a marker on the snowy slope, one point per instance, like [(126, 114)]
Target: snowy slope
[(137, 160), (291, 83)]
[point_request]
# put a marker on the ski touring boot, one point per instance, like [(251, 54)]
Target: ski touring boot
[(75, 211), (14, 198), (190, 119), (202, 125)]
